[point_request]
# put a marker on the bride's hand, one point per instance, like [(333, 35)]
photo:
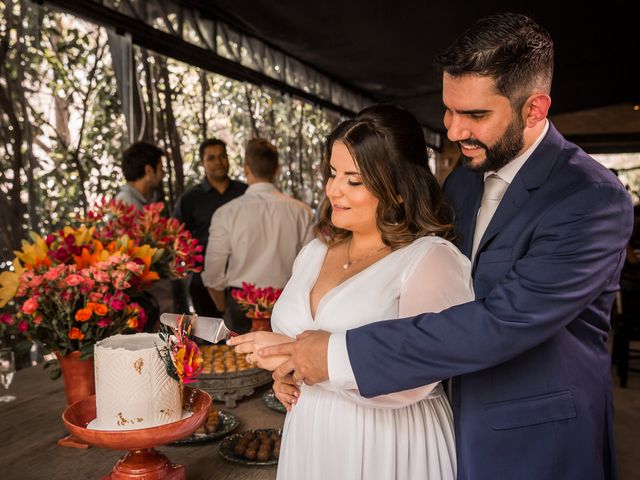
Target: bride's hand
[(286, 391), (250, 343)]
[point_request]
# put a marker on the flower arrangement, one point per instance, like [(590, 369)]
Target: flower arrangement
[(178, 252), (181, 355), (258, 303), (77, 285)]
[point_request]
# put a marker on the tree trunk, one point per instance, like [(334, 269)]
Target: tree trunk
[(172, 130)]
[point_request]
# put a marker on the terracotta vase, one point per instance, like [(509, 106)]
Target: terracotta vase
[(260, 324), (79, 382)]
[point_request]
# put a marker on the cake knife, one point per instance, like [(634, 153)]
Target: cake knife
[(210, 329)]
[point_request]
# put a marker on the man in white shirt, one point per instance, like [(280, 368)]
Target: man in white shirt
[(254, 238)]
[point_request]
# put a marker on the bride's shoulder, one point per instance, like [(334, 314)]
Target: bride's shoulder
[(434, 246), (433, 253), (428, 242), (312, 248)]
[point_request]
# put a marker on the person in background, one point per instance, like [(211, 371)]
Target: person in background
[(256, 237), (142, 169), (196, 206)]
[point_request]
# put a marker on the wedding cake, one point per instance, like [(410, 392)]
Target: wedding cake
[(133, 389)]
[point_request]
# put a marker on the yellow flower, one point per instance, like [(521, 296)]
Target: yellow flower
[(82, 234), (32, 253), (143, 251), (9, 282)]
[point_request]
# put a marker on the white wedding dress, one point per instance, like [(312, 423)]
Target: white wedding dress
[(334, 434)]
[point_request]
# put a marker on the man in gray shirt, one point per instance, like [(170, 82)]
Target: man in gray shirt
[(142, 168)]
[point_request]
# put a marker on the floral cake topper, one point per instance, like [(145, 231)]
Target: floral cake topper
[(181, 355)]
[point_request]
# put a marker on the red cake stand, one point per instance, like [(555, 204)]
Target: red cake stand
[(142, 461)]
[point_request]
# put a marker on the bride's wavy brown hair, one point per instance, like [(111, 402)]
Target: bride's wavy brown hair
[(388, 147)]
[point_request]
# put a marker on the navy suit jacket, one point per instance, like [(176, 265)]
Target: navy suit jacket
[(532, 389)]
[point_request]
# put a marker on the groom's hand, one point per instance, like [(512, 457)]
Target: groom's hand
[(308, 357)]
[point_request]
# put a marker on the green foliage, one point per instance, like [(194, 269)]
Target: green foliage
[(62, 127)]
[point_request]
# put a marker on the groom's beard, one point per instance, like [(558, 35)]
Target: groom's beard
[(506, 149)]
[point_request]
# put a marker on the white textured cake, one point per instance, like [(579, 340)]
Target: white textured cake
[(133, 389)]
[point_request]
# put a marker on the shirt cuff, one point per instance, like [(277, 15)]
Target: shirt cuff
[(340, 371), (211, 280)]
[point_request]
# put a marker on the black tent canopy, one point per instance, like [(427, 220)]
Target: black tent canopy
[(384, 50)]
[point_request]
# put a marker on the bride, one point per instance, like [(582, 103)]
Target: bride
[(381, 251)]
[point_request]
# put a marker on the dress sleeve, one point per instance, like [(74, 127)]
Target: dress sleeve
[(437, 279), (440, 279)]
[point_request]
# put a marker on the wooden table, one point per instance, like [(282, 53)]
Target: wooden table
[(31, 425)]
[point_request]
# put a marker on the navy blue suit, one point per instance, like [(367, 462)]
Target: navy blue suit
[(532, 389)]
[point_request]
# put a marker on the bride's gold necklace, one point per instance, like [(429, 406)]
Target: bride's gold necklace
[(364, 257)]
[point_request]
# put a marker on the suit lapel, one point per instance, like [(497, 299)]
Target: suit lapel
[(531, 176), (515, 196), (468, 214)]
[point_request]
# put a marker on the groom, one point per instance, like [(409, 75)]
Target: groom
[(546, 228)]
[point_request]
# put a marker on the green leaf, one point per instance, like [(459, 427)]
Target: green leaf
[(86, 351), (157, 255)]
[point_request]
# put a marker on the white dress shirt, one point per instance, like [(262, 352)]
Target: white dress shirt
[(340, 371), (255, 238)]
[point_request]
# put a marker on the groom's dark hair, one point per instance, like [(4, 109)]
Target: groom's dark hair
[(510, 48), (388, 147)]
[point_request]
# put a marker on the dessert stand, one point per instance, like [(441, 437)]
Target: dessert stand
[(142, 461), (231, 387)]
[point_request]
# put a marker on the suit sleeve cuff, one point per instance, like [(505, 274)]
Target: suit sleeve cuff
[(340, 371)]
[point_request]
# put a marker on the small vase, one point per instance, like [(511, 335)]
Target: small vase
[(79, 382), (260, 324)]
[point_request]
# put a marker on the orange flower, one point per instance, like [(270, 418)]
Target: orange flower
[(83, 314), (149, 275), (87, 259), (133, 323), (99, 309), (76, 334)]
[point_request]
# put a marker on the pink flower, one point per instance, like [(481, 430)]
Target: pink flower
[(23, 326), (100, 276), (103, 322), (30, 306), (87, 285), (54, 273), (95, 296), (6, 319), (74, 279), (116, 304)]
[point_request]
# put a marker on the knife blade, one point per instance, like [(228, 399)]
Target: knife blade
[(210, 329)]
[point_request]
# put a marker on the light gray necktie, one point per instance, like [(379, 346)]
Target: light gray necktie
[(494, 188)]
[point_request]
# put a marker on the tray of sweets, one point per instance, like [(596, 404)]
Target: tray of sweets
[(227, 376)]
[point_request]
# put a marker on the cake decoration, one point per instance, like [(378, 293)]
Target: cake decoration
[(180, 354), (138, 365)]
